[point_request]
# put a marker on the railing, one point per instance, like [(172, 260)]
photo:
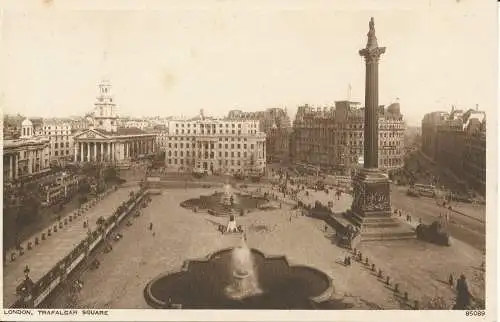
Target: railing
[(45, 285)]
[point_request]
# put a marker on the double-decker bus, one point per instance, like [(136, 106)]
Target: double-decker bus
[(425, 190)]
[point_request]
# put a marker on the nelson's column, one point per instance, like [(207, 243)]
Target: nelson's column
[(371, 207)]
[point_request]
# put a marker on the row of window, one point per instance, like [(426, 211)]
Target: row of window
[(210, 155), (62, 145), (62, 153), (209, 146), (213, 126), (188, 131), (184, 138), (193, 162)]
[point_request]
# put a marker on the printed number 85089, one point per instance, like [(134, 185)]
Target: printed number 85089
[(475, 313)]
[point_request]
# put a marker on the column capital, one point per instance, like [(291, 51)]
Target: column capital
[(372, 54)]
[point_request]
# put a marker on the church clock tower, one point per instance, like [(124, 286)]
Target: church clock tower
[(105, 117)]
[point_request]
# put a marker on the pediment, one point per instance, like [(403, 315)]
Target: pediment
[(90, 134)]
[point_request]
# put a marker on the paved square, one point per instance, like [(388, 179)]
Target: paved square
[(181, 234)]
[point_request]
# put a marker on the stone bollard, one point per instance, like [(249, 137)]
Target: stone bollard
[(380, 275), (49, 232), (416, 305), (55, 228), (60, 225), (70, 218), (43, 236), (12, 257), (366, 260), (405, 296), (21, 252), (37, 241), (30, 245), (388, 281), (65, 221), (396, 288), (373, 267)]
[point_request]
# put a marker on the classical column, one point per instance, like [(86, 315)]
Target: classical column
[(16, 166), (108, 151), (75, 157), (81, 151), (372, 54), (102, 151), (30, 162), (11, 164), (88, 151), (95, 151)]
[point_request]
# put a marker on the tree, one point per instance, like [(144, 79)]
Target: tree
[(84, 187), (110, 174)]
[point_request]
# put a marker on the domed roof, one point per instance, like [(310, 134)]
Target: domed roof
[(26, 122)]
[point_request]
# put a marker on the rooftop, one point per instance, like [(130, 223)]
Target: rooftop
[(14, 143)]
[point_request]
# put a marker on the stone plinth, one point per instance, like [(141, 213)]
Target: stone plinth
[(371, 208)]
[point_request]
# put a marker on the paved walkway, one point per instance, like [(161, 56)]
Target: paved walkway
[(42, 258)]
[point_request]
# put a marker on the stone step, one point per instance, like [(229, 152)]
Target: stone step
[(381, 224), (388, 234), (382, 238)]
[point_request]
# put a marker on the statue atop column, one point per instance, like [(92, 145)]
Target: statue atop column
[(372, 39)]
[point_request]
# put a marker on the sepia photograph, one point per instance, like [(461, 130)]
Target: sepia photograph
[(249, 160)]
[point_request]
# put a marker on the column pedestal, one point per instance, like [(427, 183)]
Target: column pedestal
[(371, 208)]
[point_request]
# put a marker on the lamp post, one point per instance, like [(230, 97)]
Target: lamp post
[(26, 272)]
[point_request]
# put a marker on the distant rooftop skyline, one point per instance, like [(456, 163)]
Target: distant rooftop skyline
[(250, 56)]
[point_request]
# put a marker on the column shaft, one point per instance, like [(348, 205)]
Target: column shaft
[(11, 165), (371, 115)]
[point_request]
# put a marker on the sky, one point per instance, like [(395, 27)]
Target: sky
[(176, 58)]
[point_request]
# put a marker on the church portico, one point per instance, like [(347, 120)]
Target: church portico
[(93, 146)]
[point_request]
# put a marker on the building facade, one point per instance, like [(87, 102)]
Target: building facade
[(60, 136), (457, 141), (105, 141), (276, 124), (215, 146), (430, 124), (25, 158), (333, 137), (161, 137)]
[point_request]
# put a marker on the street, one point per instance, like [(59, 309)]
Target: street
[(468, 230)]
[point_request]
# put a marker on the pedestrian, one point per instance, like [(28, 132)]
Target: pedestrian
[(450, 280), (151, 226)]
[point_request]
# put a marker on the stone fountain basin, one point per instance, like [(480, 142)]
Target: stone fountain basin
[(213, 204), (201, 284)]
